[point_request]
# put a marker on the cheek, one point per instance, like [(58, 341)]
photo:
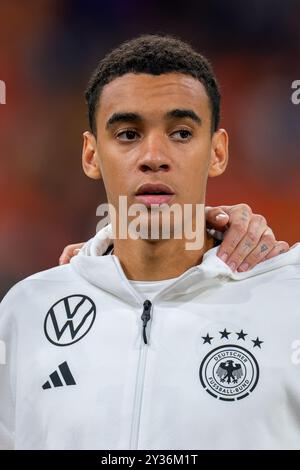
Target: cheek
[(118, 164), (194, 174), (196, 162), (115, 180)]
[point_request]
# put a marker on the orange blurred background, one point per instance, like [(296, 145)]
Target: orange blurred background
[(48, 49)]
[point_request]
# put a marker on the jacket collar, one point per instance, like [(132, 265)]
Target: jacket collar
[(106, 273)]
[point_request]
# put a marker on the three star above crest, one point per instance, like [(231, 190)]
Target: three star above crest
[(241, 335), (257, 342), (207, 339), (224, 334)]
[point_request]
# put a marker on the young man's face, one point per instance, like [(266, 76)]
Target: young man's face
[(155, 129)]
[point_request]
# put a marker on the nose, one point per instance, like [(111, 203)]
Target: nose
[(154, 155)]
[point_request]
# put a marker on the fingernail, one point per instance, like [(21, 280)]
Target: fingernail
[(244, 267), (221, 216), (224, 257), (232, 266)]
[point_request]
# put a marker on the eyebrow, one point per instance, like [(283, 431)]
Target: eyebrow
[(184, 113), (137, 118), (123, 117)]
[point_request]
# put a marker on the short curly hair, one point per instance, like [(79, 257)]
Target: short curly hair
[(155, 55)]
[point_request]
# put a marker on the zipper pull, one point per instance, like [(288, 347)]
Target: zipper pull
[(146, 317)]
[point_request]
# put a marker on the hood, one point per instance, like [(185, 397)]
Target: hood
[(106, 272)]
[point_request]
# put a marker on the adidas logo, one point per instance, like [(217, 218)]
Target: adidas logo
[(55, 378)]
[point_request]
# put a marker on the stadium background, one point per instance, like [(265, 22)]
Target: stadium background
[(48, 49)]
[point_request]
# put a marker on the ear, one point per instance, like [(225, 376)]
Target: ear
[(219, 153), (90, 160)]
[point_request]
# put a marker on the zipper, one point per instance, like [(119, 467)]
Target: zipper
[(139, 386), (138, 398), (145, 318)]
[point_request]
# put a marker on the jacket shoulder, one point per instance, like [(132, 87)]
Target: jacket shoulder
[(57, 274)]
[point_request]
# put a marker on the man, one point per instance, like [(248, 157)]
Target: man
[(157, 346)]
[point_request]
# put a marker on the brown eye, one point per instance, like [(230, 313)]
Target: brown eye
[(127, 135), (183, 134)]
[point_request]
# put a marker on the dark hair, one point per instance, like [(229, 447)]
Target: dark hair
[(155, 55)]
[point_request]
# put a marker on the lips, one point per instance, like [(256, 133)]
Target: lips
[(154, 193)]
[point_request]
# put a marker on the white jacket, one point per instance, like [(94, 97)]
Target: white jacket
[(220, 369)]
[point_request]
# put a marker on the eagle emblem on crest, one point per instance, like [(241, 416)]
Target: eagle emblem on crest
[(230, 372)]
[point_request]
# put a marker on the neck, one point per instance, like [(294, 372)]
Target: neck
[(146, 260)]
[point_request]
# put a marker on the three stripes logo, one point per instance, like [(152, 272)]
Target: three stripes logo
[(56, 379)]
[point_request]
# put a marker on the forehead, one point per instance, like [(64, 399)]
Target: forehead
[(150, 94)]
